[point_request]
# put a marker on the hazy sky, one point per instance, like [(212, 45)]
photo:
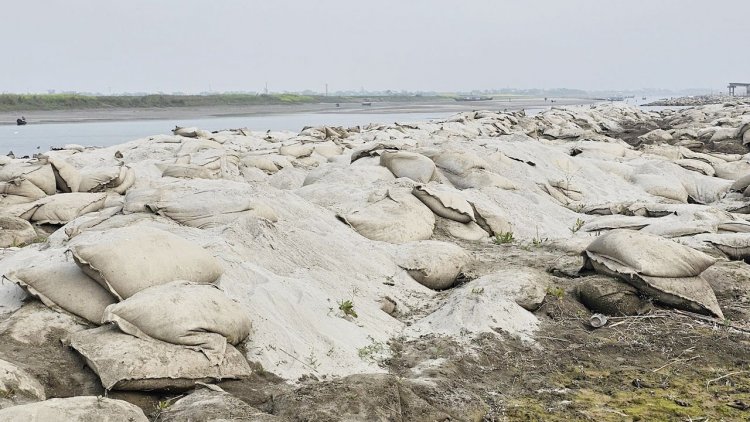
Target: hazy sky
[(440, 45)]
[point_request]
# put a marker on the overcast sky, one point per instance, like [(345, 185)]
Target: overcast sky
[(431, 45)]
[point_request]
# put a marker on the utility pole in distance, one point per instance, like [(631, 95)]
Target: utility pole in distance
[(326, 90)]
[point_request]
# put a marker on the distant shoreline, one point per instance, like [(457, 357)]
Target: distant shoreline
[(172, 113)]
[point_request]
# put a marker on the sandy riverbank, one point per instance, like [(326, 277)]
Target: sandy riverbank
[(85, 115)]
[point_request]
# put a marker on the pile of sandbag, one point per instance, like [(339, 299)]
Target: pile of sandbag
[(50, 190), (168, 327), (665, 270)]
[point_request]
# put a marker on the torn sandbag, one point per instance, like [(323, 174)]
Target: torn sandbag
[(445, 202), (67, 177)]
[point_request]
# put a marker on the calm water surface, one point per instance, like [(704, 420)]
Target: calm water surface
[(24, 140)]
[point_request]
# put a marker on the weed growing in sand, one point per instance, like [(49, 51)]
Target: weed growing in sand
[(556, 292), (537, 241), (504, 238), (477, 291), (577, 225), (312, 361), (7, 394), (161, 406), (347, 307), (372, 351)]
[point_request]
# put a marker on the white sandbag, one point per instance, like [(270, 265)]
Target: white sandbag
[(212, 404), (489, 216), (705, 190), (136, 200), (394, 217), (18, 386), (414, 166), (328, 149), (15, 231), (297, 150), (445, 202), (129, 259), (261, 162), (656, 136), (64, 287), (671, 229), (89, 221), (432, 263), (124, 181), (691, 293), (732, 170), (198, 316), (663, 185), (459, 162), (74, 147), (649, 255), (125, 362), (741, 184), (62, 208), (75, 409), (188, 171), (209, 209), (696, 165), (612, 222), (190, 132), (355, 175), (22, 188), (734, 245), (39, 173), (737, 226), (470, 231), (23, 210), (99, 178), (67, 177), (480, 178), (525, 286)]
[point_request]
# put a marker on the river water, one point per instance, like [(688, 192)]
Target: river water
[(32, 138)]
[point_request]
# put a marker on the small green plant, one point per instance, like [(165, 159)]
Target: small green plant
[(372, 351), (7, 394), (556, 292), (477, 291), (538, 241), (504, 238), (577, 225), (163, 405), (312, 361), (347, 307)]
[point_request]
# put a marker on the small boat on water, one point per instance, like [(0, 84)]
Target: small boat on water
[(21, 121), (366, 103), (473, 98)]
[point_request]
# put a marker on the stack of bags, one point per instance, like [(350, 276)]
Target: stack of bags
[(167, 325)]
